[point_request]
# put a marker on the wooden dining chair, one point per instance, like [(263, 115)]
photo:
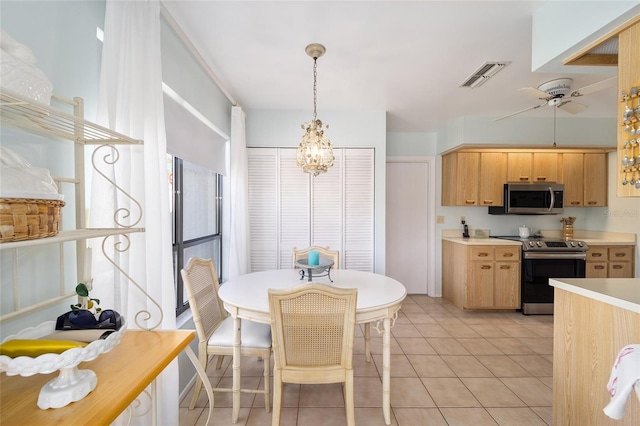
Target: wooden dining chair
[(324, 253), (215, 327), (313, 329)]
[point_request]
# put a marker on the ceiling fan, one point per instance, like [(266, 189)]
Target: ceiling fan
[(557, 93)]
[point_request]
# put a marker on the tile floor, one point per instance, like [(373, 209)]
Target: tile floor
[(448, 367)]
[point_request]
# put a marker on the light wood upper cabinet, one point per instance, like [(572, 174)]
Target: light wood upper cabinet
[(545, 167), (477, 177), (595, 180), (449, 179), (467, 175), (519, 167), (493, 176), (572, 176)]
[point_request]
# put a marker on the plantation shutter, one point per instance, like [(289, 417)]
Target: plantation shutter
[(292, 208)]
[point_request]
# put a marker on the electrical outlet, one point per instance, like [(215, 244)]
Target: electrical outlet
[(439, 219), (462, 219)]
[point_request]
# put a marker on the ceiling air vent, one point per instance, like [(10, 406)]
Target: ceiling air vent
[(484, 73)]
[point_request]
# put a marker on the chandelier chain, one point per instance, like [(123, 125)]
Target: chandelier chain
[(315, 90)]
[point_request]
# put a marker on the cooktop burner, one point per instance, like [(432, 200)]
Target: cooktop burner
[(548, 244)]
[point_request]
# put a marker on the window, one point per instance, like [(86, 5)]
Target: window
[(196, 212)]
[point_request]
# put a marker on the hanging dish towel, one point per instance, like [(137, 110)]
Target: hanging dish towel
[(624, 375)]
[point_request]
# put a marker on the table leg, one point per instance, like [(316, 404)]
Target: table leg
[(203, 376), (237, 359), (386, 371)]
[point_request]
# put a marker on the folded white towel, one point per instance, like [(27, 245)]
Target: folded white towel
[(624, 375)]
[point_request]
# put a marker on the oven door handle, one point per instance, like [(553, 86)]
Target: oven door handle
[(556, 255)]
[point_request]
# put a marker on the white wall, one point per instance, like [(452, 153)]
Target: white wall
[(274, 128)]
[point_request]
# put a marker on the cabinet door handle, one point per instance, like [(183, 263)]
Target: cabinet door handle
[(485, 267), (591, 203), (483, 254), (470, 201), (575, 203), (620, 254), (488, 201), (505, 267), (598, 267), (542, 178), (617, 266), (596, 254), (524, 177)]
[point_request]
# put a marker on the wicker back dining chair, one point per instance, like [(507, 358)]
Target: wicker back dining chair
[(313, 329), (215, 327), (335, 256), (323, 251)]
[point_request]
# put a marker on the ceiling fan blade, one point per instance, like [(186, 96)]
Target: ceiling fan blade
[(595, 87), (572, 107), (534, 93), (521, 111)]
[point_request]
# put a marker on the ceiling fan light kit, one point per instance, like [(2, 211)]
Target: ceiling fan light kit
[(315, 153)]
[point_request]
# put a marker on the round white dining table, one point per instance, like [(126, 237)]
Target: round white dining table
[(379, 300)]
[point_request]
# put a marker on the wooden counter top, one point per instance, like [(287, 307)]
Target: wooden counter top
[(122, 374)]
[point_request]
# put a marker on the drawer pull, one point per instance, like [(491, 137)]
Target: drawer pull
[(598, 267), (485, 267), (620, 254), (617, 266), (483, 254), (507, 255), (470, 201), (505, 267), (596, 254)]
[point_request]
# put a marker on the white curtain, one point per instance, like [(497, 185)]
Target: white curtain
[(131, 102), (239, 257)]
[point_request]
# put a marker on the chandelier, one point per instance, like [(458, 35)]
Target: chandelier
[(315, 154)]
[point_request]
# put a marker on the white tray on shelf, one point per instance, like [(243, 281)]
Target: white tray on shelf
[(72, 384)]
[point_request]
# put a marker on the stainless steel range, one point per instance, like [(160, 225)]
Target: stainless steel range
[(544, 258)]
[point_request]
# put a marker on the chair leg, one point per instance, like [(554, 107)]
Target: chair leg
[(277, 398), (267, 383), (367, 341), (348, 400), (219, 363)]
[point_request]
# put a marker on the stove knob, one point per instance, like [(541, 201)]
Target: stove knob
[(539, 243), (579, 243), (573, 243), (531, 244)]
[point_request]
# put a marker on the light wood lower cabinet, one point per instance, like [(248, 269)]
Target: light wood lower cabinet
[(610, 262), (481, 277)]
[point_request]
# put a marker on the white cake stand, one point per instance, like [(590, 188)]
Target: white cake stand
[(72, 384)]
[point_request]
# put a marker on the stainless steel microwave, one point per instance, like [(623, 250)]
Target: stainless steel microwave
[(531, 198)]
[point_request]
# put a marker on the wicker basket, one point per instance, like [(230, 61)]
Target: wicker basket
[(28, 219)]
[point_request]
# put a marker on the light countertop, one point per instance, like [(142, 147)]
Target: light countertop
[(482, 241), (621, 292)]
